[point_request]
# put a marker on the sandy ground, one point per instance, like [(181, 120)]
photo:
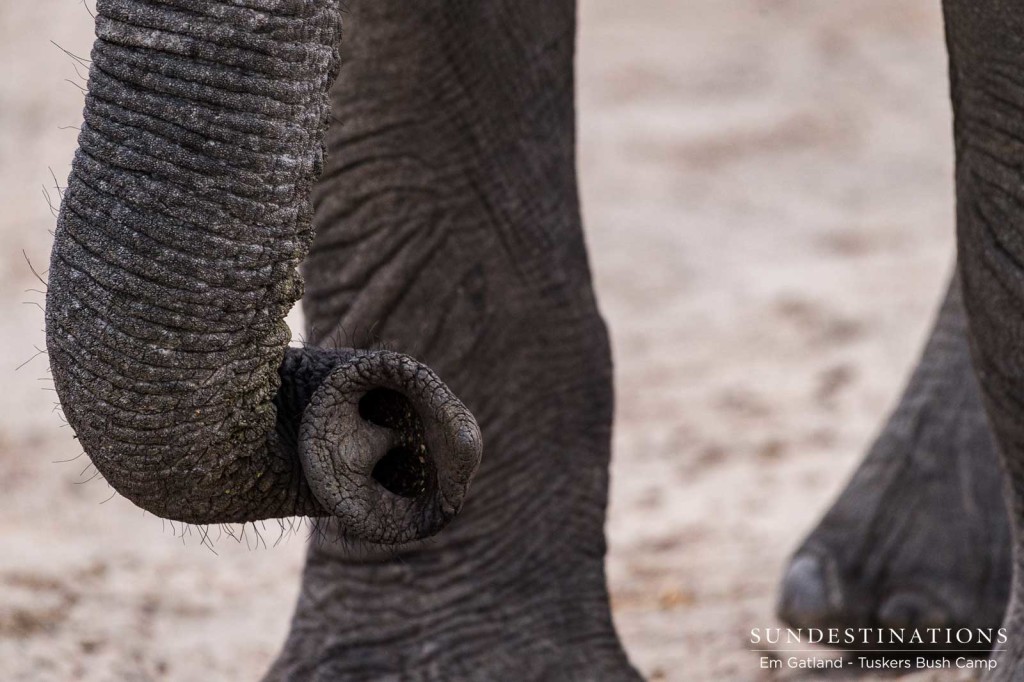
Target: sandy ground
[(767, 188)]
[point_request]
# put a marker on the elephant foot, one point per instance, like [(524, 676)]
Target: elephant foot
[(433, 612), (920, 536), (918, 539)]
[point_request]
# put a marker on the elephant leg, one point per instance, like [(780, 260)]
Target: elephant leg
[(986, 63), (448, 226), (920, 536)]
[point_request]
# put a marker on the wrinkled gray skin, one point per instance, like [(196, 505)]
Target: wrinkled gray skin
[(918, 535), (174, 263), (447, 229), (985, 39)]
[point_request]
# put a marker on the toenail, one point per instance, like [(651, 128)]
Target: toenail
[(910, 609), (811, 595)]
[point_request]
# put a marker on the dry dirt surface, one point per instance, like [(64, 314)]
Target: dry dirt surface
[(768, 196)]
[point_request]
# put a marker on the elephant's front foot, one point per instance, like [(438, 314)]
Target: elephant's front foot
[(920, 536), (436, 615)]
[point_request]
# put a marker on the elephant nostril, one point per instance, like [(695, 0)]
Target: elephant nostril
[(387, 408), (387, 447), (402, 472)]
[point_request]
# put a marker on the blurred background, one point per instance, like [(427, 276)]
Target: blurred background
[(767, 189)]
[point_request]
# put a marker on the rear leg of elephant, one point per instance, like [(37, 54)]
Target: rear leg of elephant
[(920, 536), (986, 64)]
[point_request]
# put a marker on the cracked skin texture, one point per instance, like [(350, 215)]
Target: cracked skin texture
[(447, 227), (175, 261)]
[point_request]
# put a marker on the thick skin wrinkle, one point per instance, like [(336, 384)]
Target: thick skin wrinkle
[(448, 227), (175, 261), (920, 536), (985, 39)]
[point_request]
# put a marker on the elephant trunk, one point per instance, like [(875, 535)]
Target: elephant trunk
[(175, 261)]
